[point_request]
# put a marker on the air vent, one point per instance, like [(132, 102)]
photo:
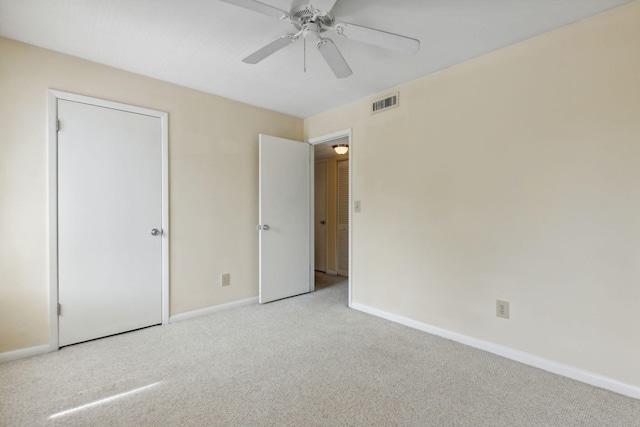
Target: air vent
[(385, 103)]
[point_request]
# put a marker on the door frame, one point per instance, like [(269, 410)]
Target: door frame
[(52, 134), (347, 133)]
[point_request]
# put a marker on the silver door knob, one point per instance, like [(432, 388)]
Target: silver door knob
[(263, 227), (155, 232)]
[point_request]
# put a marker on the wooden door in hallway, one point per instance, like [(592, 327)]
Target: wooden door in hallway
[(320, 216), (343, 218)]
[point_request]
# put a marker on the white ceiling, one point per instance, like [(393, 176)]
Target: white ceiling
[(200, 43)]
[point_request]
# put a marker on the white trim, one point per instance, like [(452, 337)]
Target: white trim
[(351, 201), (331, 272), (164, 122), (54, 96), (572, 372), (347, 133), (25, 352), (205, 311), (52, 136), (312, 234), (331, 137), (105, 103)]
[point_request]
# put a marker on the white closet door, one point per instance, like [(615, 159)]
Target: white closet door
[(109, 201), (343, 218)]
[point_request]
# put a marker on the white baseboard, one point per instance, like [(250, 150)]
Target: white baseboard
[(509, 353), (25, 352), (42, 349), (197, 313), (331, 272), (344, 273)]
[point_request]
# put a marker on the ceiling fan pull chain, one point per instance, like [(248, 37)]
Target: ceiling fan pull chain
[(304, 54)]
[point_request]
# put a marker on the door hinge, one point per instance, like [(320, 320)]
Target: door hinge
[(59, 309), (57, 125)]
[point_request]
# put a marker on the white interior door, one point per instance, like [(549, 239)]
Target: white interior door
[(320, 216), (285, 225), (343, 218), (109, 201)]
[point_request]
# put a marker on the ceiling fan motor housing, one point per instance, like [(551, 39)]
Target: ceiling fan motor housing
[(302, 13)]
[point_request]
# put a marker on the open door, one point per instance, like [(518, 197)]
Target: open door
[(285, 218)]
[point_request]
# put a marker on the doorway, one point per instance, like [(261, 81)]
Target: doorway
[(108, 217), (332, 201)]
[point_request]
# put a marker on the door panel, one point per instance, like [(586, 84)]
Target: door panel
[(109, 199), (320, 216), (285, 177), (343, 218)]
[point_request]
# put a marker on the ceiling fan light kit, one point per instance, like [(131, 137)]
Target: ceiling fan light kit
[(313, 18)]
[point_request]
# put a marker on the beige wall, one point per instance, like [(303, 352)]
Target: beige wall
[(513, 176), (213, 145)]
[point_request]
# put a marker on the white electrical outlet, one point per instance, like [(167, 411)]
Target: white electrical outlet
[(225, 279), (502, 309)]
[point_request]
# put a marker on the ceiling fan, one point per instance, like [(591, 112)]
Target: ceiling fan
[(313, 18)]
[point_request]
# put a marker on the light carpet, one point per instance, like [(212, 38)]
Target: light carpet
[(304, 361)]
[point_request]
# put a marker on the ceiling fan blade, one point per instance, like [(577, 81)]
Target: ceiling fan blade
[(324, 6), (270, 49), (334, 58), (378, 38), (256, 6)]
